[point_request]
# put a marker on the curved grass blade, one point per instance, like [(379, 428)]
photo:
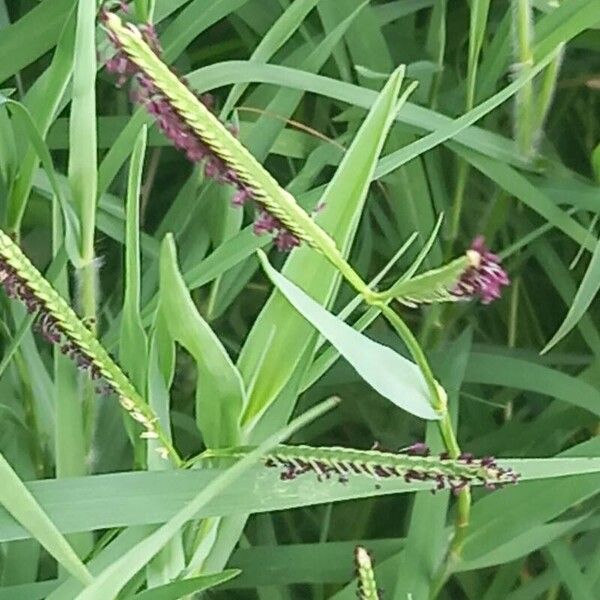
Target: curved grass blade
[(113, 578), (590, 284), (219, 389), (345, 197), (71, 222), (19, 502), (179, 589)]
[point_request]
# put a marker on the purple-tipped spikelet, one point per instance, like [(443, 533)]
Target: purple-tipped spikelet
[(147, 94), (485, 276), (444, 473)]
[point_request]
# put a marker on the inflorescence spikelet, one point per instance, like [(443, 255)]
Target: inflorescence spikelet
[(57, 323), (416, 465), (187, 120), (367, 586)]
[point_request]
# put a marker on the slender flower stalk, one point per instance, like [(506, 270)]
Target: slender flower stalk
[(58, 324)]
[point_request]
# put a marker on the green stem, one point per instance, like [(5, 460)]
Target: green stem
[(457, 204), (524, 117), (440, 404)]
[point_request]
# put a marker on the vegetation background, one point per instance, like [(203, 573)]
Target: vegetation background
[(480, 140)]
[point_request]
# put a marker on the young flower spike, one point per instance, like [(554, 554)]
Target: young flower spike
[(58, 323), (137, 58), (367, 587), (485, 277)]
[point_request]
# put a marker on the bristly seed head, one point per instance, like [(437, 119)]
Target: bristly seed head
[(147, 94), (484, 278), (454, 475)]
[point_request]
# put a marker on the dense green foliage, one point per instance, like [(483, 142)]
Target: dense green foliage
[(391, 134)]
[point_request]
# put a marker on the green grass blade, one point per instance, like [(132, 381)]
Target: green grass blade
[(345, 197), (114, 577), (19, 502), (83, 151), (275, 38), (573, 579), (390, 374), (178, 589), (590, 284), (133, 345), (509, 371)]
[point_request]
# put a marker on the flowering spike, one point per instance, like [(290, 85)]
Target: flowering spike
[(343, 463), (476, 274), (188, 122), (58, 323), (367, 587)]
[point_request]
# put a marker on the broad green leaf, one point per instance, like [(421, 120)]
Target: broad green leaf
[(508, 371), (219, 391), (344, 197), (88, 503), (391, 375), (112, 579)]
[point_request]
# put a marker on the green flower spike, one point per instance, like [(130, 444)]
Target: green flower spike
[(343, 463), (58, 323), (243, 167), (367, 586)]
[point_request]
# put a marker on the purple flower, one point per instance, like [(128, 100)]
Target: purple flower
[(484, 278)]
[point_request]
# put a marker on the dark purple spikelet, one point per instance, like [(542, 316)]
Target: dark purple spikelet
[(184, 138), (485, 278)]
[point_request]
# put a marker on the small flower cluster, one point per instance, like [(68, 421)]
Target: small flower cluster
[(445, 473), (147, 94), (484, 278)]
